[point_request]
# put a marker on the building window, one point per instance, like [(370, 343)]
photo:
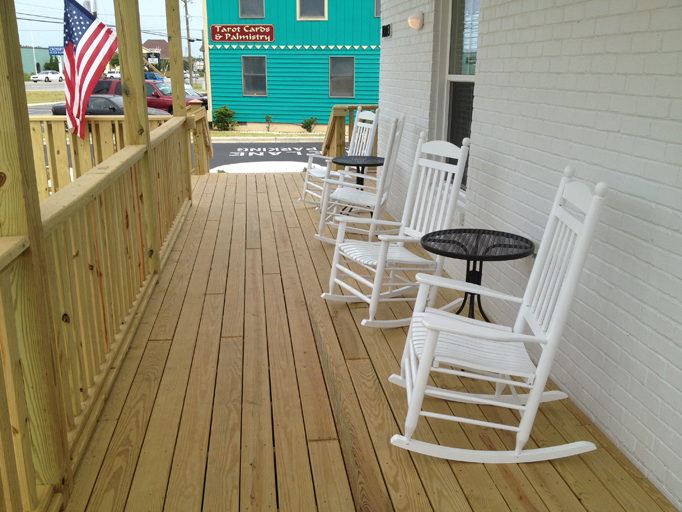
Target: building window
[(311, 9), (251, 9), (462, 70), (254, 76), (341, 77), (377, 8)]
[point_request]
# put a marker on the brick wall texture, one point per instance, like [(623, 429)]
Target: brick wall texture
[(596, 84)]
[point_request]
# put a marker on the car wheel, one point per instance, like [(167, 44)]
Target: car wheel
[(170, 110), (47, 78)]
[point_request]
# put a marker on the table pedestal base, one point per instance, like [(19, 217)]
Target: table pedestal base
[(473, 276)]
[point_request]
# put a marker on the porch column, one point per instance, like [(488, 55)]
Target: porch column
[(175, 49), (136, 119), (27, 326)]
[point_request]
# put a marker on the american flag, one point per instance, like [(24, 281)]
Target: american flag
[(88, 47)]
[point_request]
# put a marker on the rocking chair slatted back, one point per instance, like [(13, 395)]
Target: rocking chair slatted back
[(364, 133), (395, 134), (434, 187), (561, 256)]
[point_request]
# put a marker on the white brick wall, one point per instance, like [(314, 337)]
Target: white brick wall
[(597, 84)]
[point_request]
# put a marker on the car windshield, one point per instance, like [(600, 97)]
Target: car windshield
[(191, 92), (165, 89)]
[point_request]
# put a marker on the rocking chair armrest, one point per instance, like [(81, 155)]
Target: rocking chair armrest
[(320, 156), (397, 239), (347, 219), (440, 323), (343, 183), (453, 284)]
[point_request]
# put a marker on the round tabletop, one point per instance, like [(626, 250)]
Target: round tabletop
[(477, 244), (359, 161)]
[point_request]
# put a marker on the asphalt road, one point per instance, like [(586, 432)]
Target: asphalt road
[(44, 86), (234, 153)]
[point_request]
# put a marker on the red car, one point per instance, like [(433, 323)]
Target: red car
[(158, 94)]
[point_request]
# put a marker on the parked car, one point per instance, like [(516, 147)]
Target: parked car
[(153, 77), (104, 105), (48, 75), (113, 74), (158, 93), (201, 96)]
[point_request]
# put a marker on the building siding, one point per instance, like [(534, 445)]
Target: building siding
[(297, 60), (597, 85)]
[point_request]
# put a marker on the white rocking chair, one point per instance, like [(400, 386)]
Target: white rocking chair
[(361, 143), (441, 342), (343, 195), (430, 205)]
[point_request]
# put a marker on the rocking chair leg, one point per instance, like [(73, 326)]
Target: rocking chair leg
[(422, 377), (378, 280)]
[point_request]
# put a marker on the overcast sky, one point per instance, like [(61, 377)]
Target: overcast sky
[(49, 32)]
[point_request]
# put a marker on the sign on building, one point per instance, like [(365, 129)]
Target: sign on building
[(242, 33), (55, 50)]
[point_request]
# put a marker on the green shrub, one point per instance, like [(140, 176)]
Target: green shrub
[(309, 124), (223, 118)]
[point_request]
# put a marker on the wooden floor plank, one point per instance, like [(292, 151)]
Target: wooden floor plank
[(111, 488), (402, 480), (221, 491), (257, 486), (319, 421), (221, 256), (331, 483), (153, 467), (233, 316), (186, 484), (369, 489), (294, 479)]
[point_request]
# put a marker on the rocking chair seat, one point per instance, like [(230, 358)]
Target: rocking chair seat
[(505, 358), (350, 195), (367, 253), (319, 171)]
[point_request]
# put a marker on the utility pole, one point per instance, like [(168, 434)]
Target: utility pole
[(189, 43)]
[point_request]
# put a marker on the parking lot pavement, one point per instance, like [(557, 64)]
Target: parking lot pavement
[(234, 153), (44, 86)]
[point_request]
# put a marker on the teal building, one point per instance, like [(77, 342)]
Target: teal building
[(292, 59), (42, 56)]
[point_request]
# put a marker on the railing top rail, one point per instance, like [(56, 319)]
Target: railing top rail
[(63, 203), (11, 248), (93, 118), (158, 135)]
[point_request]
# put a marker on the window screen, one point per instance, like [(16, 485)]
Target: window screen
[(341, 77), (312, 9), (254, 76), (251, 9), (460, 115)]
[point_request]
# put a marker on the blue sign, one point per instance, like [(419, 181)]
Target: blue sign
[(55, 50)]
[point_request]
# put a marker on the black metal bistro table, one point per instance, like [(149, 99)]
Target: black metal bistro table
[(359, 162), (476, 246)]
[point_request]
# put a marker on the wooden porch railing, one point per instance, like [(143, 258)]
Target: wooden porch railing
[(99, 280), (85, 227), (337, 136), (60, 157)]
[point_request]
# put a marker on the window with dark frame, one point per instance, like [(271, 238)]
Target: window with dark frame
[(341, 77), (251, 9), (312, 9), (254, 76)]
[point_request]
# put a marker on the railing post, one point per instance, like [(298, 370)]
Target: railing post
[(31, 312), (178, 78), (136, 119)]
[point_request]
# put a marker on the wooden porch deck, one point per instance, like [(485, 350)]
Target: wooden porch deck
[(243, 390)]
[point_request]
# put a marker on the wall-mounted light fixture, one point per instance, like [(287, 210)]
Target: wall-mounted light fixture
[(416, 20)]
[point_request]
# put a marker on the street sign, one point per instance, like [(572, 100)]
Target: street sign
[(55, 50)]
